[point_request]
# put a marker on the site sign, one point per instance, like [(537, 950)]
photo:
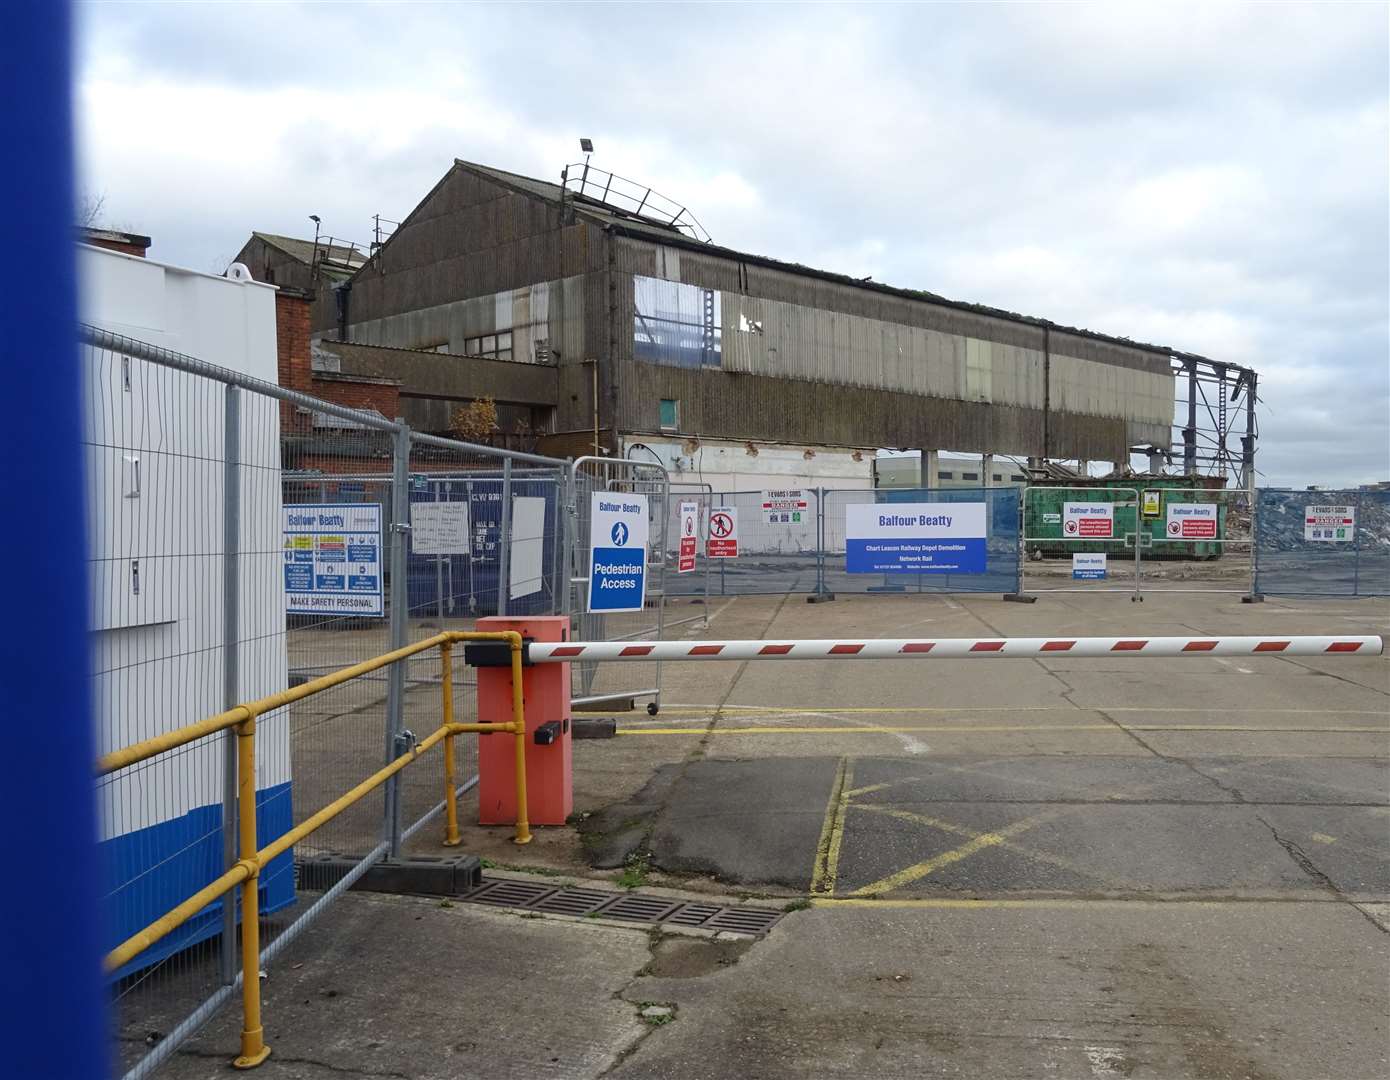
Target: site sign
[(787, 506), (1191, 521), (915, 538), (1091, 521), (1153, 501), (617, 551), (1329, 523), (439, 528), (722, 540), (1088, 566), (333, 559), (690, 537)]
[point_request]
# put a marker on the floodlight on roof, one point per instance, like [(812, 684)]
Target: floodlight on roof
[(586, 146)]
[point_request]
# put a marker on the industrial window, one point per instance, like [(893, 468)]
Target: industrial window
[(998, 478), (1018, 478), (676, 324), (969, 476), (496, 346), (944, 475), (670, 414)]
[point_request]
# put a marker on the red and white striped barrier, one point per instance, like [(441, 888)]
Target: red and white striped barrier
[(543, 652)]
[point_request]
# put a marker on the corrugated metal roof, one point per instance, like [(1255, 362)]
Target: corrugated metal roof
[(657, 232), (303, 250)]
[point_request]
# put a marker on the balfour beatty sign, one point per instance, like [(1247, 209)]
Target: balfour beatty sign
[(1092, 520), (618, 552), (1191, 521), (915, 538)]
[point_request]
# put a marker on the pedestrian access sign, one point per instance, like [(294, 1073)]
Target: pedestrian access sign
[(915, 538), (785, 506), (1336, 524), (1191, 521), (723, 533), (1088, 521), (333, 559), (690, 537), (618, 551)]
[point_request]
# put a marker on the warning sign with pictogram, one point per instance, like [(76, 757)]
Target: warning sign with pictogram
[(1090, 520), (690, 517), (723, 533), (785, 506), (1191, 521), (1329, 523)]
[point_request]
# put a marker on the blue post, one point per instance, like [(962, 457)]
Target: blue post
[(51, 950)]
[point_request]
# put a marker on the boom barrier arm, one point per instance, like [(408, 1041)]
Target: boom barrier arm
[(952, 648)]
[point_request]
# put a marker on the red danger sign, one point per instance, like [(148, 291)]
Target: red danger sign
[(689, 514)]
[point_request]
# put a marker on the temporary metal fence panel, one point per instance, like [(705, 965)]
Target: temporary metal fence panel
[(1303, 546), (773, 556), (1061, 522), (694, 585), (198, 478), (1196, 539), (587, 476), (997, 572)]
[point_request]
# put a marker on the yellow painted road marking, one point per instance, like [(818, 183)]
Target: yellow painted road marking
[(967, 729), (706, 710), (955, 855), (832, 831), (1077, 902), (961, 830), (885, 784), (1323, 838)]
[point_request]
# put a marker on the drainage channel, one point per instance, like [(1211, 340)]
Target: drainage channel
[(630, 907)]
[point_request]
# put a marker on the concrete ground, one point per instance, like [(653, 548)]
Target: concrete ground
[(1088, 868)]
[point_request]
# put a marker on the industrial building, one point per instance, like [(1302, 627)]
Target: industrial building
[(730, 368)]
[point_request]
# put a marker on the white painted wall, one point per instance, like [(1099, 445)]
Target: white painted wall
[(154, 442), (729, 466)]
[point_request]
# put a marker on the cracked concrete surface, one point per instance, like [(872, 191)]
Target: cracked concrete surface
[(1149, 869)]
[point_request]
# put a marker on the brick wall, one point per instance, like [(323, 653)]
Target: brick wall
[(294, 361)]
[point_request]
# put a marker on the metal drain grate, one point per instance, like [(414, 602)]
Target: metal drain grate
[(744, 920), (574, 901), (695, 914), (630, 907), (639, 908), (508, 893)]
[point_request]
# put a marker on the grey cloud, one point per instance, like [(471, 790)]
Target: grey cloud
[(933, 146)]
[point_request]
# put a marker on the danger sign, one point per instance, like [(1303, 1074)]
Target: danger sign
[(1191, 521), (690, 516), (723, 533), (1329, 523), (1088, 520), (786, 506)]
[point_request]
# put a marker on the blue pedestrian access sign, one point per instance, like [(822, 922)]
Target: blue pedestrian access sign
[(915, 538), (618, 551)]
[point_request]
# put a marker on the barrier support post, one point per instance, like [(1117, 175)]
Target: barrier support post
[(253, 1047), (523, 825), (446, 682)]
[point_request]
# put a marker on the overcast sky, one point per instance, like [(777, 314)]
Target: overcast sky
[(1212, 178)]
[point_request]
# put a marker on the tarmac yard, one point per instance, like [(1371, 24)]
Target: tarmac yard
[(997, 868)]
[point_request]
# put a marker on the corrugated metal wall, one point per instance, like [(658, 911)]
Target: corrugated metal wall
[(550, 312), (932, 376)]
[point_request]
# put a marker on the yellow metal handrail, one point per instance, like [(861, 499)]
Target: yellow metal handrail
[(245, 871)]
